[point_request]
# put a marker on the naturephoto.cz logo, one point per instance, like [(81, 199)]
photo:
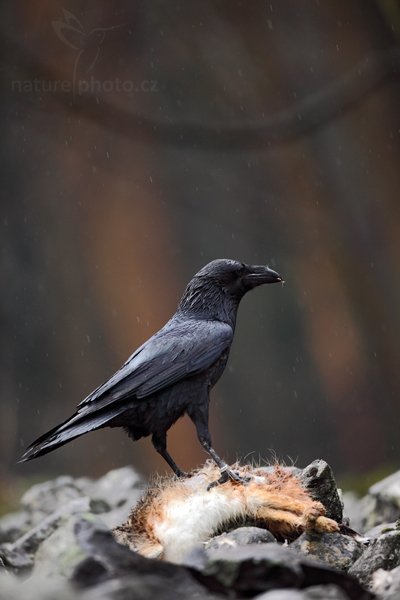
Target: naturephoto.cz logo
[(87, 45)]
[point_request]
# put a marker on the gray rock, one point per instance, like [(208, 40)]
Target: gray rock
[(36, 588), (13, 525), (111, 570), (386, 584), (367, 517), (114, 494), (45, 498), (248, 570), (242, 536), (325, 592), (317, 592), (382, 553), (60, 554), (379, 530), (47, 505), (145, 587), (383, 501), (15, 558), (285, 594), (388, 488), (257, 568), (353, 510), (115, 488), (19, 555), (334, 549), (82, 550), (318, 479)]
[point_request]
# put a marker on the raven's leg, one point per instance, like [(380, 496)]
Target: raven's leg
[(199, 416), (160, 444)]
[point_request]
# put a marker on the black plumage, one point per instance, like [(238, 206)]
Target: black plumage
[(172, 373)]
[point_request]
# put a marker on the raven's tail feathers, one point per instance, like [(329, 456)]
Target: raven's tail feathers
[(67, 431)]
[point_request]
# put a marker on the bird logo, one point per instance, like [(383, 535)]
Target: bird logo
[(87, 44)]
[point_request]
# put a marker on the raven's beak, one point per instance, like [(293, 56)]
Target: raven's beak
[(261, 275)]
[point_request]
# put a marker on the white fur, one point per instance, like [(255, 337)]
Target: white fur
[(194, 519)]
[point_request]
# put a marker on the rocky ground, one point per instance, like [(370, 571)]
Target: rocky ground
[(60, 544)]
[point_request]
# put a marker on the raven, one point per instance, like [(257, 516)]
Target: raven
[(172, 373)]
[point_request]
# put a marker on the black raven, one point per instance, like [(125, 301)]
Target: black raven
[(172, 373)]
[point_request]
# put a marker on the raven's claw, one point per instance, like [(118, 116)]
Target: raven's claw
[(183, 474), (226, 475)]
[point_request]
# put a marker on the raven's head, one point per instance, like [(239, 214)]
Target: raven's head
[(220, 285), (235, 277)]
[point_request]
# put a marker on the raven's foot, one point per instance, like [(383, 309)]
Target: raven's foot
[(182, 474), (228, 475)]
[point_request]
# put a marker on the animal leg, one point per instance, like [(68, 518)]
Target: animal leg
[(315, 520), (281, 522), (159, 442), (284, 522)]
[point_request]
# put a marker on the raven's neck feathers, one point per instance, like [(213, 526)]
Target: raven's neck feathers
[(205, 299)]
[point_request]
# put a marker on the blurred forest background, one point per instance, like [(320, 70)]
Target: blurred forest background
[(143, 139)]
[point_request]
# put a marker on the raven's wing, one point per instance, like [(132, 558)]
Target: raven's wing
[(181, 349)]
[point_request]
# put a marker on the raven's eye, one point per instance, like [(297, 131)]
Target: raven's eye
[(240, 270)]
